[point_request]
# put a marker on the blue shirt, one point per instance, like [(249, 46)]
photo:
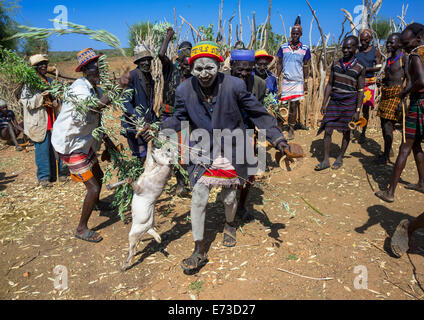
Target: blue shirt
[(293, 61)]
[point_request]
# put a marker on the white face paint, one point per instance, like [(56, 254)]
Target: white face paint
[(205, 70)]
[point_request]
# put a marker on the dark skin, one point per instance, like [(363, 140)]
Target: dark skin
[(261, 67), (366, 46), (416, 76), (395, 75), (12, 130), (294, 106), (94, 185), (349, 49), (242, 69)]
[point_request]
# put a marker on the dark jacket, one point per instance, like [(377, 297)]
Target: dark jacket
[(140, 99), (231, 97)]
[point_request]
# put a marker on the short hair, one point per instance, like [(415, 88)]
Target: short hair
[(352, 37), (416, 28), (185, 44)]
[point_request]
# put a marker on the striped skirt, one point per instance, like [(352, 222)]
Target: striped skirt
[(340, 111), (222, 173), (292, 91), (80, 165), (414, 122)]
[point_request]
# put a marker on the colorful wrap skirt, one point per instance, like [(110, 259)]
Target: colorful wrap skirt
[(340, 111), (388, 108), (414, 123), (292, 91), (369, 92), (80, 165), (222, 173)]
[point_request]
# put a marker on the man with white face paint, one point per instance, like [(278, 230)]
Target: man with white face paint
[(212, 100)]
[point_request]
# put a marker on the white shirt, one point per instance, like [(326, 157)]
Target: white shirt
[(72, 131)]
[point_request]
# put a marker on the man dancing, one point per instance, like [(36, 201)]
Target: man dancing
[(412, 39), (346, 89), (213, 100), (395, 75)]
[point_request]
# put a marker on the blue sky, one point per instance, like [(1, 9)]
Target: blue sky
[(116, 16)]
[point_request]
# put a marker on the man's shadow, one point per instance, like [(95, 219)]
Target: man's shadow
[(5, 180), (389, 220), (256, 198), (317, 149)]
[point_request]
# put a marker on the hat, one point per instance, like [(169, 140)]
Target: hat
[(2, 103), (142, 51), (85, 56), (263, 54), (37, 58), (243, 55), (205, 49)]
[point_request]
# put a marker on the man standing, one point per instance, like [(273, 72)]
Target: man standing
[(370, 57), (242, 63), (174, 75), (39, 115), (212, 100), (262, 61), (140, 104), (293, 60), (73, 140), (412, 39), (345, 90), (395, 75)]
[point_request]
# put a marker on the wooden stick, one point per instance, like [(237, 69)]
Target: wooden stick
[(299, 275)]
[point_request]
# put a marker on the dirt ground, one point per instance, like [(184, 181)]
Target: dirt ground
[(322, 255), (37, 227)]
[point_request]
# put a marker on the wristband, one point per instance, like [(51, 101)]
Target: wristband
[(360, 90), (378, 65), (358, 109)]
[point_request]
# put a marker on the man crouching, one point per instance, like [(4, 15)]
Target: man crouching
[(213, 101)]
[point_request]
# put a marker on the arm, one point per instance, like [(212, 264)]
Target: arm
[(327, 92), (415, 78), (162, 52), (305, 75), (279, 66), (360, 95), (377, 62)]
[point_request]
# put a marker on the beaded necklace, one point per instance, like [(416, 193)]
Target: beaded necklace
[(391, 61), (347, 66), (295, 47)]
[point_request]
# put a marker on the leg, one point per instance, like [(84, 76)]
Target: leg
[(404, 151), (387, 129), (199, 201), (325, 164), (229, 197), (292, 119), (12, 136), (42, 160), (366, 115), (419, 161), (93, 192), (345, 143)]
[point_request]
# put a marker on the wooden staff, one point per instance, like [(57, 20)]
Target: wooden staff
[(403, 121)]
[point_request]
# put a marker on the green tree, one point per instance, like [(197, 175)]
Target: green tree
[(382, 27), (138, 31), (33, 46), (8, 26)]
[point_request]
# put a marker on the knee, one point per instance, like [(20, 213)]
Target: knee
[(229, 197)]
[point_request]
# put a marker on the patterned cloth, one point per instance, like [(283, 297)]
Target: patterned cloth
[(222, 173), (80, 165), (340, 111), (292, 90), (389, 103), (414, 123), (369, 92)]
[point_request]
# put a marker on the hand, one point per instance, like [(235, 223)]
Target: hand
[(305, 86), (355, 117), (402, 94), (323, 109), (125, 79), (45, 93), (283, 146), (170, 32), (146, 133)]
